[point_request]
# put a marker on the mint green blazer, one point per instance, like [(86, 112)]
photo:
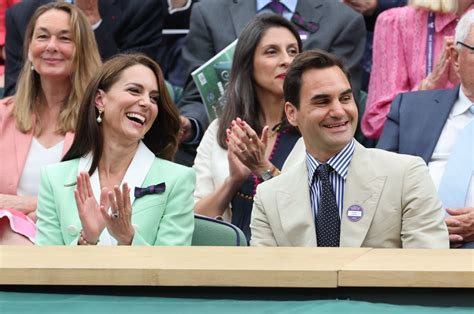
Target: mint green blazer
[(158, 219)]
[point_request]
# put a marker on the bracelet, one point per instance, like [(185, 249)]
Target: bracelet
[(275, 171), (270, 173), (83, 241)]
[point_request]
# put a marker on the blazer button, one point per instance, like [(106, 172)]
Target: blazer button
[(72, 230)]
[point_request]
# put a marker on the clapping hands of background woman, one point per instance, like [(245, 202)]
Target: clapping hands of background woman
[(244, 143)]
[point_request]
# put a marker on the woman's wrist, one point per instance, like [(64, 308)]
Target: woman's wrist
[(268, 167), (233, 182), (127, 240), (84, 240)]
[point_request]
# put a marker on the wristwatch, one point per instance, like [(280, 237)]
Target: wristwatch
[(267, 175)]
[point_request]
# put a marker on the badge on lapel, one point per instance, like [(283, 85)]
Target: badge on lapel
[(355, 213), (152, 189)]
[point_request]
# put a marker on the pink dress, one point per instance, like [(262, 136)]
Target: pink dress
[(20, 223), (399, 59)]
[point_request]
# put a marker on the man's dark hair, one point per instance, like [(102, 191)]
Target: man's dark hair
[(311, 59)]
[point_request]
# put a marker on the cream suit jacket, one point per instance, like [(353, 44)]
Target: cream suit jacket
[(399, 202)]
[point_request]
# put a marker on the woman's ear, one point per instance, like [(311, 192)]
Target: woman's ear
[(99, 99)]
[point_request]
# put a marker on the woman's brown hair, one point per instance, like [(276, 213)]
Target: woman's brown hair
[(161, 139)]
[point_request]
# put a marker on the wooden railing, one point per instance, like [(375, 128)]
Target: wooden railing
[(236, 267)]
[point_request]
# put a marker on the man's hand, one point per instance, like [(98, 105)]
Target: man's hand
[(460, 225), (90, 9), (364, 7), (186, 130), (177, 3)]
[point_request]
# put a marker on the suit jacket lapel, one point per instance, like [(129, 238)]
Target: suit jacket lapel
[(434, 121), (294, 207), (363, 188), (241, 11)]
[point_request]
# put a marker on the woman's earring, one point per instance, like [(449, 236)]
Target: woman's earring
[(99, 118), (32, 68)]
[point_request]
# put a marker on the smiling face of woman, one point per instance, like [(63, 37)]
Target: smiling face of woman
[(130, 106), (52, 48)]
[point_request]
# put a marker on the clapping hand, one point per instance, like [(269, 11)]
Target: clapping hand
[(89, 211), (442, 71), (119, 220), (245, 144), (238, 172)]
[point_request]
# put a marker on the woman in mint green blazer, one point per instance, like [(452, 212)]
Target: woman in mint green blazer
[(116, 185)]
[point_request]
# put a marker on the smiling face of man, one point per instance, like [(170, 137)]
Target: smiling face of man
[(327, 113)]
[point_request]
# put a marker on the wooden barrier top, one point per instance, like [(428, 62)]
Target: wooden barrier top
[(410, 268), (235, 266)]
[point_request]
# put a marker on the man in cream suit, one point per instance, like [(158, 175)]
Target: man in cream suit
[(336, 192)]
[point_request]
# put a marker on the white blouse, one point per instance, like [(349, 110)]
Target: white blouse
[(38, 156)]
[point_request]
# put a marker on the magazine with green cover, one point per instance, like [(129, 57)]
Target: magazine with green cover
[(211, 79)]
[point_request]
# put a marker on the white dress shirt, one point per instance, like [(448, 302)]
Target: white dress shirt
[(458, 118)]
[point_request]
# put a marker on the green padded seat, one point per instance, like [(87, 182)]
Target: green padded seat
[(213, 232)]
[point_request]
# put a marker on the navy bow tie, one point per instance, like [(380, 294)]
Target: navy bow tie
[(152, 189)]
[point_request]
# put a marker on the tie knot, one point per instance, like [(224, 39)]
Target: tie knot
[(471, 109), (277, 7), (323, 171)]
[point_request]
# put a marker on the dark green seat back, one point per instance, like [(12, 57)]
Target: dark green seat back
[(213, 232)]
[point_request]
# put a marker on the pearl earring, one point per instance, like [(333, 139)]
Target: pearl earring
[(99, 118)]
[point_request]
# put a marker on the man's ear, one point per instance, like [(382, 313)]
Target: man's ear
[(291, 113), (454, 54), (99, 99)]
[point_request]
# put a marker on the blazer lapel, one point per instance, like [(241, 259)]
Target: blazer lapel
[(434, 120), (363, 188), (22, 146), (138, 169), (294, 207), (134, 176), (241, 11)]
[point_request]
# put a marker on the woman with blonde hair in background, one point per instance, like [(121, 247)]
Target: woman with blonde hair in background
[(37, 124), (411, 52)]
